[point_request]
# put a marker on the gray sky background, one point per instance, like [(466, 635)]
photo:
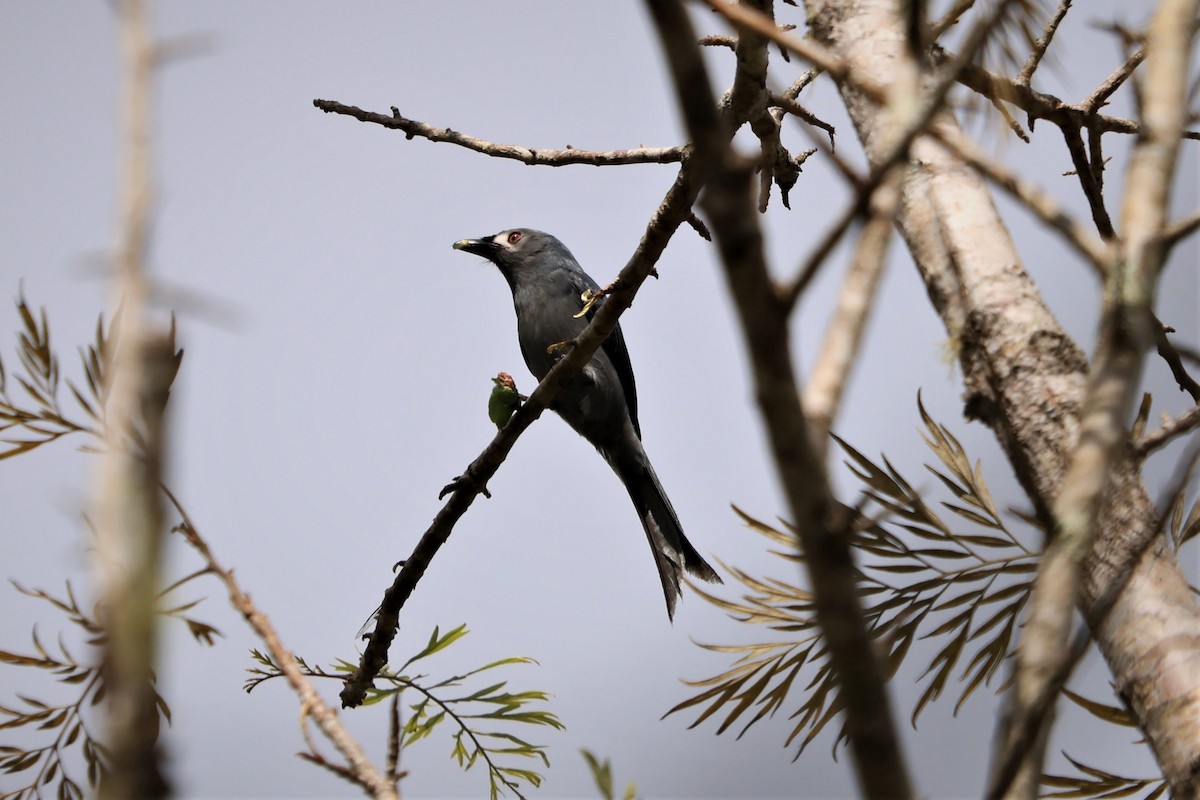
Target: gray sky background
[(338, 356)]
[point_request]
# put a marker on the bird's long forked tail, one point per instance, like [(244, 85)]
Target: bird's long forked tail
[(673, 553)]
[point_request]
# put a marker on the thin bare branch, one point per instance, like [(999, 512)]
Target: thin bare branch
[(1170, 430), (1090, 172), (1181, 229), (1168, 353), (840, 347), (1096, 100), (789, 105), (526, 155), (1038, 105), (312, 704), (718, 41), (1042, 44), (950, 18)]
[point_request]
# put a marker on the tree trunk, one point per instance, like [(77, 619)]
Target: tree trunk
[(1026, 379)]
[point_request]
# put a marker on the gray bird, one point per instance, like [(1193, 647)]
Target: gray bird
[(600, 403)]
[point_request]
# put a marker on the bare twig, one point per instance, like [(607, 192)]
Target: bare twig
[(1090, 173), (949, 19), (526, 155), (1174, 361), (312, 704), (840, 346), (395, 739), (789, 105), (1093, 183), (718, 41), (1038, 105), (1181, 229), (1042, 44), (1099, 96), (1171, 429)]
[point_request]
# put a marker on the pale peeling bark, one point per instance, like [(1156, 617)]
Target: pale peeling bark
[(1027, 379)]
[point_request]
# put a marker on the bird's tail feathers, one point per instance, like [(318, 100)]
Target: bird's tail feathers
[(673, 553)]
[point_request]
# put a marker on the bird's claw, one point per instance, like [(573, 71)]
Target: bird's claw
[(454, 485), (589, 299), (558, 346)]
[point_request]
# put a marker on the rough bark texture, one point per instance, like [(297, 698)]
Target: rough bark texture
[(1026, 379), (823, 530)]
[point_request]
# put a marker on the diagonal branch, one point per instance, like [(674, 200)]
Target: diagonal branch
[(674, 211), (312, 704), (1181, 229), (1037, 201), (1174, 360), (1043, 43), (1170, 430), (825, 534), (526, 155), (840, 346), (1099, 96)]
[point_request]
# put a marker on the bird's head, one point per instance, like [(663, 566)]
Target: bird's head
[(517, 251)]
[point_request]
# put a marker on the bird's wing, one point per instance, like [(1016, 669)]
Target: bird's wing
[(614, 347)]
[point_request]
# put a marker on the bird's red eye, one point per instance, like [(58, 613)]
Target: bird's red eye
[(514, 237)]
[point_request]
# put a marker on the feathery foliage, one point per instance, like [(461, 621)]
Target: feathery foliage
[(40, 419), (962, 586), (43, 421), (33, 418), (1092, 782), (958, 581), (71, 726), (482, 719), (602, 775)]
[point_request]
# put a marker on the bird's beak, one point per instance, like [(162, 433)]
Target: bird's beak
[(480, 247)]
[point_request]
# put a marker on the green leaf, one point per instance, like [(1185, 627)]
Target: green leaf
[(437, 643)]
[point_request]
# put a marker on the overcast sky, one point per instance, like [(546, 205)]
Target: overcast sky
[(338, 356)]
